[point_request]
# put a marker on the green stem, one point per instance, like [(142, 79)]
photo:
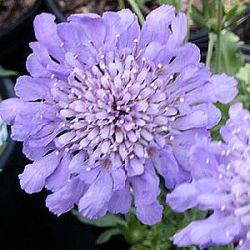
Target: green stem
[(121, 4), (178, 5), (230, 247), (137, 10), (210, 49), (193, 248), (190, 2), (218, 43)]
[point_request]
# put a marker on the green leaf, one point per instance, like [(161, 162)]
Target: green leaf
[(109, 220), (231, 57), (243, 77), (5, 73), (106, 235)]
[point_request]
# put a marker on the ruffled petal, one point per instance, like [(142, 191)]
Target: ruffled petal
[(157, 22), (146, 190), (120, 201), (34, 177), (216, 230), (87, 22), (94, 203), (10, 108), (64, 199), (187, 195), (46, 32), (60, 176)]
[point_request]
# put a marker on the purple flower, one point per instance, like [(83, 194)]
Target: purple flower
[(221, 183), (108, 104)]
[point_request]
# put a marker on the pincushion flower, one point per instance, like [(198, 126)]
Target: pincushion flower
[(221, 175), (109, 106)]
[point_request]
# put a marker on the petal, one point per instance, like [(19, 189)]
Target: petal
[(10, 108), (218, 229), (60, 176), (64, 199), (30, 89), (34, 176), (119, 178), (94, 203), (179, 31), (120, 201), (46, 32), (168, 167), (124, 24), (146, 190), (76, 165), (220, 88), (181, 200), (87, 22), (135, 167), (156, 26)]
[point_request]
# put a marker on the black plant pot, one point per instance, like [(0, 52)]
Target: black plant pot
[(6, 91), (200, 38), (14, 39), (54, 8), (246, 52)]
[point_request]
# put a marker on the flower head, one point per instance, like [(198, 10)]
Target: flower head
[(106, 104), (221, 172)]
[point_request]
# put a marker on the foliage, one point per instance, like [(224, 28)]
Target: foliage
[(4, 73), (231, 58), (206, 18), (243, 77)]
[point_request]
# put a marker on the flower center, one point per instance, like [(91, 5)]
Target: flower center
[(115, 108)]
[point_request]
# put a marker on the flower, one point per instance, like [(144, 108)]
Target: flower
[(221, 175), (108, 104)]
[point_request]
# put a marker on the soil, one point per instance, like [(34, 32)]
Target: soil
[(98, 6), (85, 6), (10, 10)]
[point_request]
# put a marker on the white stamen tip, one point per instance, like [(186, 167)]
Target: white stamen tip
[(171, 138)]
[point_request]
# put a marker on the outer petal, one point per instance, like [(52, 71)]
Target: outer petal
[(46, 33), (221, 88), (10, 108), (120, 201), (123, 24), (216, 230), (156, 26), (87, 22), (179, 31), (187, 195), (60, 176), (94, 203), (146, 190), (64, 199), (34, 176), (29, 89)]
